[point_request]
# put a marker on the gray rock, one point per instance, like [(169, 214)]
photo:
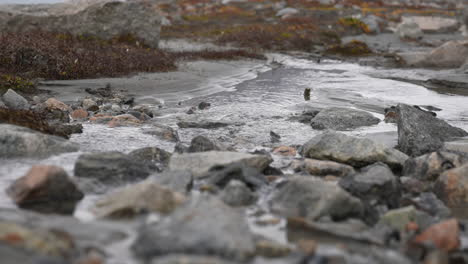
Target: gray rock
[(203, 226), (18, 141), (163, 132), (143, 197), (288, 11), (152, 155), (200, 163), (338, 118), (434, 24), (372, 23), (357, 152), (323, 168), (203, 124), (201, 144), (2, 104), (45, 189), (374, 182), (104, 20), (13, 254), (399, 218), (409, 30), (15, 101), (428, 167), (89, 104), (111, 168), (420, 132), (236, 193), (312, 198), (189, 259), (429, 203), (177, 180), (221, 175), (452, 54)]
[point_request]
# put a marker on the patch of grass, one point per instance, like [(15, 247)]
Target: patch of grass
[(352, 48), (354, 23), (16, 83)]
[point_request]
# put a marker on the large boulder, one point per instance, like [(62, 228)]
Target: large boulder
[(338, 118), (323, 167), (203, 226), (15, 101), (409, 30), (429, 166), (357, 152), (452, 54), (201, 144), (18, 141), (103, 20), (111, 168), (46, 189), (200, 163), (153, 156), (452, 188), (312, 198), (419, 132)]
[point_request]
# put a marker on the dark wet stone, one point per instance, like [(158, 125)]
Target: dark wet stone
[(45, 189), (203, 105), (221, 175), (201, 144), (429, 203), (357, 152), (152, 155), (181, 148), (374, 182), (323, 168), (312, 198), (203, 226), (274, 138), (102, 92), (342, 119), (203, 124), (419, 132), (236, 193), (429, 166), (414, 186), (111, 168)]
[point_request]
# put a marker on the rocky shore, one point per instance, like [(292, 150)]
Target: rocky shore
[(301, 133)]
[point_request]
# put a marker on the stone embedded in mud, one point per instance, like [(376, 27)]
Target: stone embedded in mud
[(45, 189), (374, 182), (429, 166), (420, 132), (111, 168), (338, 118), (152, 155), (221, 175), (15, 101), (313, 198), (79, 114), (143, 197), (201, 144), (163, 132), (236, 193), (452, 187), (200, 163), (202, 226), (323, 168), (54, 104), (103, 20), (444, 236), (18, 141), (357, 152)]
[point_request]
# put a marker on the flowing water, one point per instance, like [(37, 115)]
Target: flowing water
[(257, 98)]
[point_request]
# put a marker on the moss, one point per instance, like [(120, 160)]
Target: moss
[(16, 83), (352, 48), (354, 23)]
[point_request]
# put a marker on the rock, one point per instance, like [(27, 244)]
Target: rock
[(79, 113), (274, 137), (200, 163), (444, 236), (286, 12), (372, 23), (100, 118), (116, 108), (434, 24), (236, 193), (409, 30), (452, 187), (313, 198), (203, 226), (357, 152), (54, 104), (285, 151), (152, 155), (337, 118), (142, 197), (452, 54), (204, 105), (18, 141), (428, 167), (179, 181), (124, 120), (45, 189), (324, 168), (2, 104), (163, 132), (271, 249), (15, 101), (201, 144), (103, 20), (203, 124), (111, 168), (399, 218), (429, 203), (420, 132), (12, 255), (89, 104), (189, 259), (180, 148), (374, 182), (414, 186), (221, 175)]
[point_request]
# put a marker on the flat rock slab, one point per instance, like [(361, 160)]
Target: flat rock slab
[(338, 118), (16, 141), (200, 163), (434, 24), (354, 151)]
